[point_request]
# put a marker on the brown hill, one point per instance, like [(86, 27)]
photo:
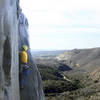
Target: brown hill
[(86, 59)]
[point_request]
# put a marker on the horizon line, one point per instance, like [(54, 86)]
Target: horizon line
[(61, 49)]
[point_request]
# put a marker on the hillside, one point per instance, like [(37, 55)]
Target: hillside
[(86, 59), (82, 72)]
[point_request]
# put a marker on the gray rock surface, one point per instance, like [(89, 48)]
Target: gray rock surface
[(13, 34)]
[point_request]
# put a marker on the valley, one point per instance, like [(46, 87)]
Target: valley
[(71, 75)]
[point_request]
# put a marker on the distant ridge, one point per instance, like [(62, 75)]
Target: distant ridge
[(87, 59), (47, 53)]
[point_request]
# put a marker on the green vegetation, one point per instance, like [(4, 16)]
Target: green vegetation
[(54, 82), (81, 82), (49, 73), (57, 88)]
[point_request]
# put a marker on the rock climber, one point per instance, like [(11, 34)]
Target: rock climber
[(23, 67)]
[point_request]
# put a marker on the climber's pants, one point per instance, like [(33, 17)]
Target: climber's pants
[(23, 75), (27, 72), (22, 80)]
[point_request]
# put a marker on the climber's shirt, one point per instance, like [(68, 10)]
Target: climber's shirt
[(23, 57)]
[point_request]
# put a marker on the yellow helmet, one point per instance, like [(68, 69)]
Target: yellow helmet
[(25, 47)]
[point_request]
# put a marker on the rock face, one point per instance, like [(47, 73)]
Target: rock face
[(13, 34)]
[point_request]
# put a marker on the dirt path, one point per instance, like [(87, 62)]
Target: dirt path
[(65, 78)]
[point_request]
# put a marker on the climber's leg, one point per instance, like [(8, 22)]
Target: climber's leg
[(22, 80), (27, 72)]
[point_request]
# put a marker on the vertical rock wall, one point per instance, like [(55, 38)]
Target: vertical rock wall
[(9, 85), (33, 83), (13, 34)]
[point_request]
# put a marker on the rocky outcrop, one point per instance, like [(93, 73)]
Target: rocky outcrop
[(95, 75), (13, 34)]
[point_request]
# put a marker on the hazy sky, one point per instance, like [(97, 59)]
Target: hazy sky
[(63, 24)]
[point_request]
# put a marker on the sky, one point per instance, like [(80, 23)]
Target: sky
[(62, 24)]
